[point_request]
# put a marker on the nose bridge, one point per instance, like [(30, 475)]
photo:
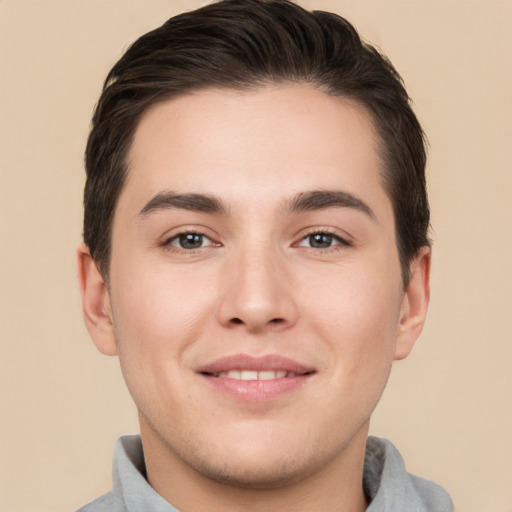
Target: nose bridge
[(257, 291)]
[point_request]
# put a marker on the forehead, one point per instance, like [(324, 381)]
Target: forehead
[(262, 143)]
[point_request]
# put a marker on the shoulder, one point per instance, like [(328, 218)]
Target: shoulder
[(432, 495), (106, 503), (389, 486)]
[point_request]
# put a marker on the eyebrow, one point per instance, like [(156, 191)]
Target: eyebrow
[(302, 202), (324, 199), (202, 203)]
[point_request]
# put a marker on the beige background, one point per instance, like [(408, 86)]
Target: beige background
[(448, 407)]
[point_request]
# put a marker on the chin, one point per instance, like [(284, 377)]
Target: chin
[(252, 474), (265, 461)]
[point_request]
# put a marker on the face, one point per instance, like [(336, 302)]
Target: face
[(255, 296)]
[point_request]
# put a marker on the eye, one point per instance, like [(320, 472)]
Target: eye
[(189, 241), (322, 241)]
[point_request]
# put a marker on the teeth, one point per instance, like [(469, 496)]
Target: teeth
[(268, 375), (248, 375), (254, 375)]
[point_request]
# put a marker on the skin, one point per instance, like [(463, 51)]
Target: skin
[(257, 284)]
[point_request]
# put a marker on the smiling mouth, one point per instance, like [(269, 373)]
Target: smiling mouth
[(255, 375), (256, 379)]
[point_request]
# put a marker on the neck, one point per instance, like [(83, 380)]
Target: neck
[(336, 486)]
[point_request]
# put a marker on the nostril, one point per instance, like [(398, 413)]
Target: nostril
[(238, 321)]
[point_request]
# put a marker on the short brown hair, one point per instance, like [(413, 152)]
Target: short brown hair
[(241, 44)]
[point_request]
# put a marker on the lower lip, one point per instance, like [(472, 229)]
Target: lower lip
[(257, 390)]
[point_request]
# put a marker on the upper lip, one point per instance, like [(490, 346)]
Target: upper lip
[(270, 362)]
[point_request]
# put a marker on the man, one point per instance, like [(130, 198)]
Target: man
[(256, 253)]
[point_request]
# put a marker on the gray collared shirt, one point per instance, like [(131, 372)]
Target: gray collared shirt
[(387, 485)]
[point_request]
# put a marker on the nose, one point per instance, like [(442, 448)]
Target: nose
[(257, 292)]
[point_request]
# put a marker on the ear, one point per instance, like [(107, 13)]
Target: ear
[(414, 304), (95, 303)]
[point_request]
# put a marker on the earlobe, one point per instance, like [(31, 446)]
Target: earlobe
[(95, 303), (414, 304)]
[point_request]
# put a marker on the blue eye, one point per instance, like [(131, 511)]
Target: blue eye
[(190, 241), (322, 241)]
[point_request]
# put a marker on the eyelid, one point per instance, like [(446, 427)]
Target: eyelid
[(208, 241), (342, 237), (168, 238)]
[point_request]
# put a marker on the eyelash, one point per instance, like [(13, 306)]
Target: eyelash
[(340, 245), (167, 243)]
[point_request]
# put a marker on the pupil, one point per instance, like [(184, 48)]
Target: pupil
[(191, 241), (321, 241)]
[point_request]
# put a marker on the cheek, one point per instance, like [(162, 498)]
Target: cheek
[(358, 315), (160, 306), (156, 321)]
